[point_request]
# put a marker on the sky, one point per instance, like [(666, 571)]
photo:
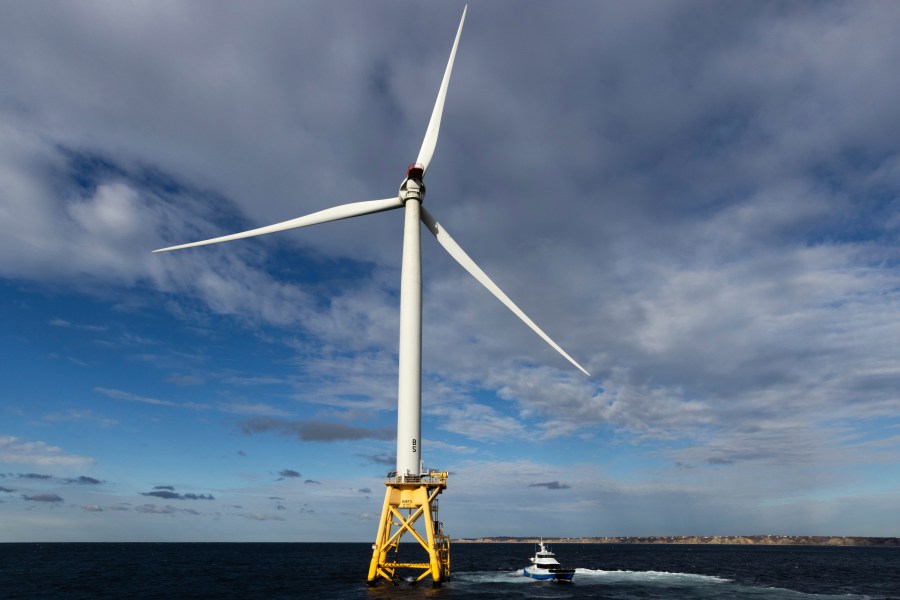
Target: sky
[(699, 201)]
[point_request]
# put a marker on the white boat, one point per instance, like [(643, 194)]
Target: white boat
[(545, 566)]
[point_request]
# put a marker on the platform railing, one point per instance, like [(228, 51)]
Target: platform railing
[(433, 477)]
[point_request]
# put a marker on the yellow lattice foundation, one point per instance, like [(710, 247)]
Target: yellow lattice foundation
[(406, 501)]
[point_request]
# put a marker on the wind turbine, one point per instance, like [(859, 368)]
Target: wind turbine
[(409, 394)]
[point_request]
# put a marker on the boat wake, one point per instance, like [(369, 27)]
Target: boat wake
[(595, 576), (641, 584), (492, 577), (662, 577)]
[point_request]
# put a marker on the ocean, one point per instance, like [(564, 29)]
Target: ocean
[(479, 571)]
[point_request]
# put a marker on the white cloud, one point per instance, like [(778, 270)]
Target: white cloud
[(477, 422), (262, 517), (130, 397), (76, 415), (15, 451)]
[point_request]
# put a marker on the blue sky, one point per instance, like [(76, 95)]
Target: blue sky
[(697, 200)]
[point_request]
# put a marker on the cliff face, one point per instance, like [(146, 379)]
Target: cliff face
[(780, 540)]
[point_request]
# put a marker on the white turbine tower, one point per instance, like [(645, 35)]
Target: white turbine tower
[(409, 395)]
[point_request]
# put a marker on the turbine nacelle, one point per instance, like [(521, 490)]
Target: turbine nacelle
[(412, 187)]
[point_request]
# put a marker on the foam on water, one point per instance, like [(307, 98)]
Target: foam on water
[(661, 577), (492, 577)]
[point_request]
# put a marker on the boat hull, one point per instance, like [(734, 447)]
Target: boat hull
[(546, 575)]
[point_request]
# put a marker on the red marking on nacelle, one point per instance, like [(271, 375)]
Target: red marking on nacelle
[(415, 171)]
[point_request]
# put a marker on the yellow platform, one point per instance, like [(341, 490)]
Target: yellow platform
[(407, 500)]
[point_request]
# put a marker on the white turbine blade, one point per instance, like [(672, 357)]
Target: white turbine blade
[(345, 211), (469, 265), (434, 125)]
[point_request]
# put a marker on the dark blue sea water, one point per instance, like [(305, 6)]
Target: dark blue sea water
[(480, 571)]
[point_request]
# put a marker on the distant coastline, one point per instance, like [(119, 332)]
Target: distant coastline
[(761, 540)]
